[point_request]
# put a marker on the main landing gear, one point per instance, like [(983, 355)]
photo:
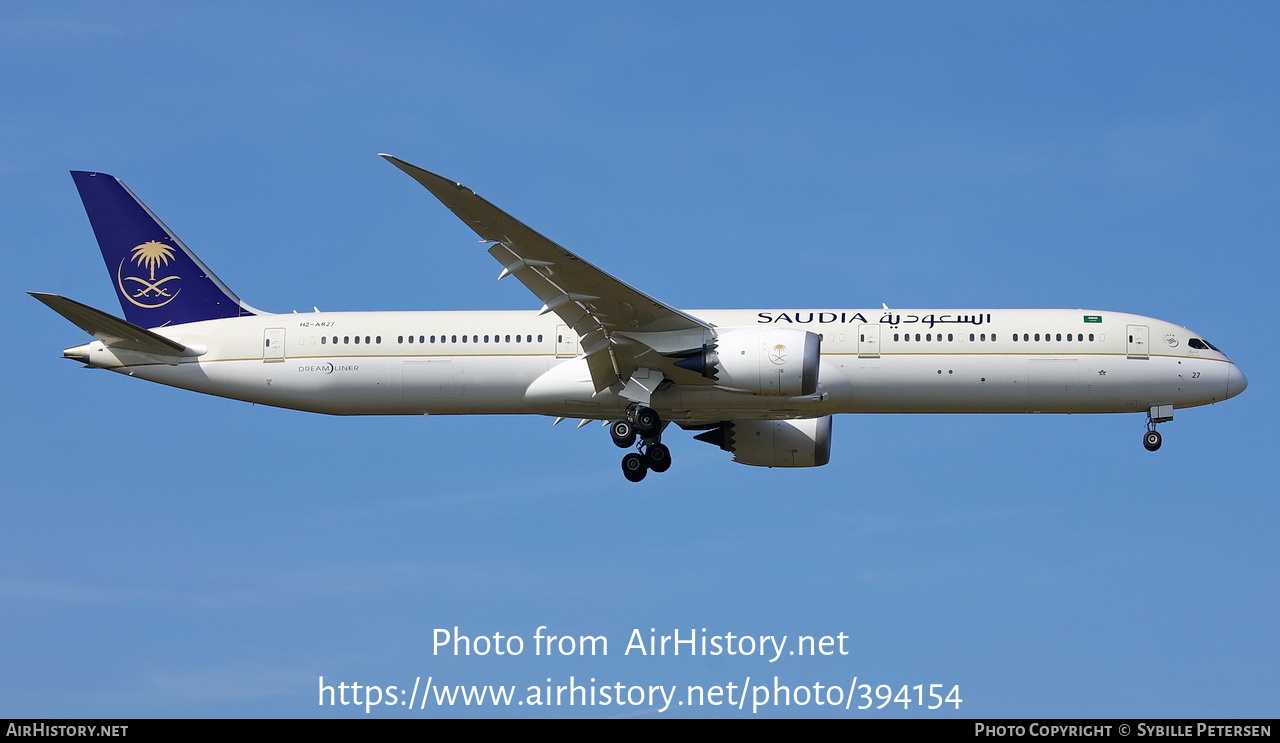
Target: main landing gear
[(643, 428), (1158, 414)]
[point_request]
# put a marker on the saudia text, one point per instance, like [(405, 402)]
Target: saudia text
[(894, 319)]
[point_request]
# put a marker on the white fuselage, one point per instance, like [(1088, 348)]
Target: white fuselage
[(515, 362)]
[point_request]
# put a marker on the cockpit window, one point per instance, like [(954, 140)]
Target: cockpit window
[(1202, 344)]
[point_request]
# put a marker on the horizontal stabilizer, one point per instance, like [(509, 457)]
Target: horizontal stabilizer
[(111, 330)]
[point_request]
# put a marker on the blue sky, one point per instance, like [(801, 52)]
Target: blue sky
[(167, 554)]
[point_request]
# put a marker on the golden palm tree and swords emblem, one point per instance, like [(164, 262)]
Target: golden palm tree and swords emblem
[(778, 354), (148, 292)]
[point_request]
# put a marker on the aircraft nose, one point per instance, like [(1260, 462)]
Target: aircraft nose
[(1235, 381)]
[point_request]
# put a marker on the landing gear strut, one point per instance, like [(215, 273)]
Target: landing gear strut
[(642, 427), (1158, 414)]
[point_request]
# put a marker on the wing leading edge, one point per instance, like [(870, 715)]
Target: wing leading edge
[(622, 329)]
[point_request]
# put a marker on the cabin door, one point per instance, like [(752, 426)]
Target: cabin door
[(1138, 342), (868, 341), (566, 341), (273, 344)]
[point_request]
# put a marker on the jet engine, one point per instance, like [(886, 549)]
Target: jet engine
[(779, 362), (788, 443)]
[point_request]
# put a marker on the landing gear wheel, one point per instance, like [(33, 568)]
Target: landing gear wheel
[(623, 433), (658, 457), (647, 422), (634, 467), (1151, 440)]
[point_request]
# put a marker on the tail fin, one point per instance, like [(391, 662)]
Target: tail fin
[(158, 279)]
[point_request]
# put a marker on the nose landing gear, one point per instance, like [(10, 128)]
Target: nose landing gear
[(1151, 440), (642, 427)]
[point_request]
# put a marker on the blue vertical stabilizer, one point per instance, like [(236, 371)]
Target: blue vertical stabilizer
[(158, 280)]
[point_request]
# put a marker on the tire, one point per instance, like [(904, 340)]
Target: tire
[(634, 467), (658, 457), (1151, 440), (647, 422), (623, 433)]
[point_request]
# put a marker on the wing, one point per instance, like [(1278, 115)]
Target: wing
[(622, 329)]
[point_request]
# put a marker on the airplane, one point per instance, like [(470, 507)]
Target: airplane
[(762, 384)]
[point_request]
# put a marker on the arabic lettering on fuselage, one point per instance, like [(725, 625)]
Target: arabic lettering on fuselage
[(892, 319)]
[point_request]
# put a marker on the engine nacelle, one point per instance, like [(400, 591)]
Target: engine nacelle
[(779, 362), (789, 443)]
